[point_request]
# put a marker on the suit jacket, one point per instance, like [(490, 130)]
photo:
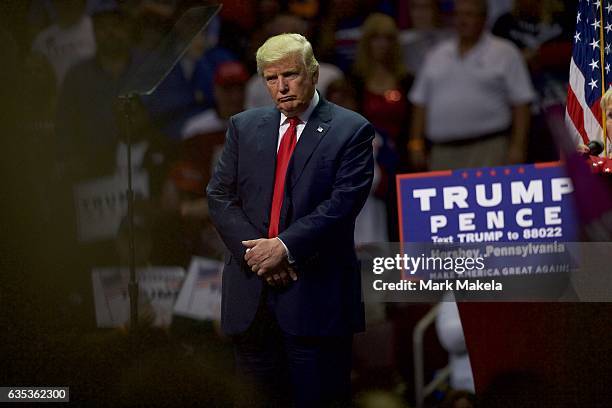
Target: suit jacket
[(328, 180)]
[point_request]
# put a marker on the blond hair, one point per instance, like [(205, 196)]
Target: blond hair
[(606, 100), (378, 23), (283, 45)]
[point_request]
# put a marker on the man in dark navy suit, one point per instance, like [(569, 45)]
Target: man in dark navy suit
[(284, 198)]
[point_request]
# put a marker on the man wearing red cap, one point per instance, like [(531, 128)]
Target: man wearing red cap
[(284, 197)]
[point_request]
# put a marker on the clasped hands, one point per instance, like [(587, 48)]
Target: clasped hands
[(268, 259)]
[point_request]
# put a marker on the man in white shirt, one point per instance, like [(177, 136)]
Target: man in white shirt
[(471, 98)]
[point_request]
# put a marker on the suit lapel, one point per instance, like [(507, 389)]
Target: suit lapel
[(267, 140), (313, 133)]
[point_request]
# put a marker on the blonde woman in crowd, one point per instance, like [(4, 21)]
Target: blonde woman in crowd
[(382, 84)]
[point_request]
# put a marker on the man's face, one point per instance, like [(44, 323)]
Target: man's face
[(422, 13), (290, 85), (470, 19)]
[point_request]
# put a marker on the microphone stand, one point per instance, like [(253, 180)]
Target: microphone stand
[(144, 81), (127, 106)]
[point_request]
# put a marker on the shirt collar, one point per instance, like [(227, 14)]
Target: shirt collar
[(482, 42), (304, 116)]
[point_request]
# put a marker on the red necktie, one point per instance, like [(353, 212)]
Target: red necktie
[(282, 161)]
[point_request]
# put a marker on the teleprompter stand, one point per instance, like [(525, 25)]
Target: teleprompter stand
[(144, 81)]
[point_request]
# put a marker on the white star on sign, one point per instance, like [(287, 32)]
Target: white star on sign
[(593, 84), (609, 8), (596, 24), (577, 37), (598, 3), (594, 44), (578, 19), (608, 48), (607, 69), (608, 27), (594, 64)]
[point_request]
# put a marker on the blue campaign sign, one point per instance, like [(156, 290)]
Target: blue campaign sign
[(499, 204)]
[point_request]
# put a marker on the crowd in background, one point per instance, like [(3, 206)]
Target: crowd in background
[(390, 60)]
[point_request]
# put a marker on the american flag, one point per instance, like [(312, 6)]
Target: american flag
[(590, 77)]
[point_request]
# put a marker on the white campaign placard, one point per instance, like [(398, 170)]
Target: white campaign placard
[(200, 297), (102, 203), (158, 290)]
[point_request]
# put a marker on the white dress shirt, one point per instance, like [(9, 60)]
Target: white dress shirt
[(471, 95), (284, 121), (284, 125)]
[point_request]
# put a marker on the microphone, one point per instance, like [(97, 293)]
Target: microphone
[(595, 147)]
